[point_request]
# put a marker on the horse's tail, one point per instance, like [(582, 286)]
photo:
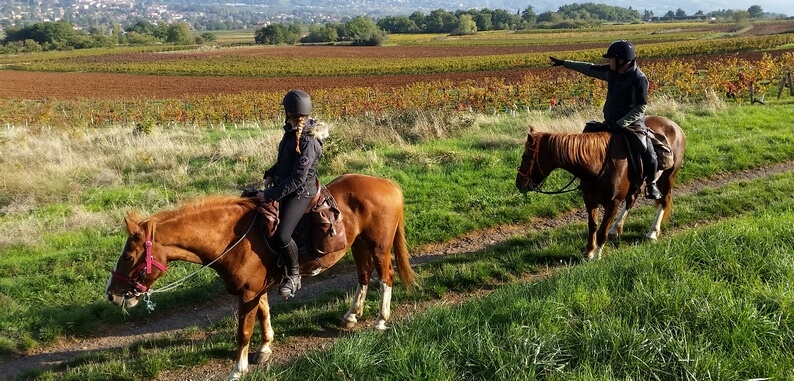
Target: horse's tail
[(402, 256)]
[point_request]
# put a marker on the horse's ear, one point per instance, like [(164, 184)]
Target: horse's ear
[(132, 220), (531, 129)]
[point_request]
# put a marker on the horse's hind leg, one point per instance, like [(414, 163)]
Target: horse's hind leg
[(617, 227), (363, 260), (590, 251), (386, 274), (663, 206)]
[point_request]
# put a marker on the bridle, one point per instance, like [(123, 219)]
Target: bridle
[(139, 288), (527, 176), (145, 268)]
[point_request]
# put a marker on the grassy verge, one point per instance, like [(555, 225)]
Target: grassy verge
[(713, 302)]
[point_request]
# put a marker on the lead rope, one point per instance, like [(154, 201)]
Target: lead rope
[(147, 295)]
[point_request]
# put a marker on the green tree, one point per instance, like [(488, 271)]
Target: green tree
[(363, 31), (321, 33), (529, 15), (484, 21), (43, 33), (398, 24), (179, 34), (740, 16), (275, 34), (466, 25), (755, 12)]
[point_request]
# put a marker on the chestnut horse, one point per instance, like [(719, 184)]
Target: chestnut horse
[(600, 161), (224, 233)]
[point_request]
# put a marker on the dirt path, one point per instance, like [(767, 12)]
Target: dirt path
[(341, 277)]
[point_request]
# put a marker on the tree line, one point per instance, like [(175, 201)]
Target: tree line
[(62, 35)]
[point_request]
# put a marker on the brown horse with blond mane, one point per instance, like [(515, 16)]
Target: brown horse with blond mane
[(601, 162), (224, 233)]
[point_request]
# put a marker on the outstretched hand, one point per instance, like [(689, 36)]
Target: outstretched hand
[(556, 61)]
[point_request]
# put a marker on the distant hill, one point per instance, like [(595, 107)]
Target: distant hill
[(395, 7)]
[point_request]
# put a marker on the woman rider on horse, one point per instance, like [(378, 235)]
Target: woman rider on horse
[(292, 181)]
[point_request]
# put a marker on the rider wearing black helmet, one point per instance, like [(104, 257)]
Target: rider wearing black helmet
[(292, 180), (627, 99)]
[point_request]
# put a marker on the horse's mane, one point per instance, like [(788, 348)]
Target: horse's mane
[(579, 148), (203, 203)]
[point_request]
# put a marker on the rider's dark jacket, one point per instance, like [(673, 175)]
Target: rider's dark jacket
[(627, 93), (295, 172)]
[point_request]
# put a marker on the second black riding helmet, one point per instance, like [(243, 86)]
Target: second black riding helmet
[(621, 49), (297, 102)]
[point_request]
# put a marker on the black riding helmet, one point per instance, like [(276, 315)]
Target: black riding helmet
[(297, 102), (621, 49)]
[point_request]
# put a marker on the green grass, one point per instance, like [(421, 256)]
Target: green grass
[(715, 288), (453, 185), (712, 302)]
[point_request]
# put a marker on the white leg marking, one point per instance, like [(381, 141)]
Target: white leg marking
[(385, 307), (240, 366), (264, 351), (597, 253), (617, 226), (357, 307), (656, 226)]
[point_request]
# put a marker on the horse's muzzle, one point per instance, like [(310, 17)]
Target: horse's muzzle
[(127, 301)]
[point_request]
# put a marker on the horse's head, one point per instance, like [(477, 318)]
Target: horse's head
[(137, 268), (530, 175)]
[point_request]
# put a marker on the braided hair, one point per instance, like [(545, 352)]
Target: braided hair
[(301, 122)]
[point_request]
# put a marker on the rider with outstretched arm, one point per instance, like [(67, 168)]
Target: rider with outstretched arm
[(627, 100)]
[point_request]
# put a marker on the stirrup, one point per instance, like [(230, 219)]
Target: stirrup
[(289, 284)]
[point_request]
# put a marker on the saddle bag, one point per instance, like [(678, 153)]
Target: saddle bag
[(664, 154), (269, 212), (327, 230)]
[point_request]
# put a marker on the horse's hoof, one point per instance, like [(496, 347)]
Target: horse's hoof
[(380, 326), (348, 324)]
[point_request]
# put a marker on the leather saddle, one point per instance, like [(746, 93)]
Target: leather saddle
[(320, 231)]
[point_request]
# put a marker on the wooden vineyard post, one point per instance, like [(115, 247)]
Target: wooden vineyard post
[(785, 81)]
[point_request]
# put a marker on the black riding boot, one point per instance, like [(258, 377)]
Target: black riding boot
[(292, 277), (649, 165)]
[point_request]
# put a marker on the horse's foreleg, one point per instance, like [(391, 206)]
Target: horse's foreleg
[(264, 351), (592, 216), (617, 227), (245, 327), (356, 307), (656, 226), (601, 235)]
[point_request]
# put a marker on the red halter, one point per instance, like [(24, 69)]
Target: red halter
[(145, 268)]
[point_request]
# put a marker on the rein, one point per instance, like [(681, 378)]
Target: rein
[(142, 289), (532, 165)]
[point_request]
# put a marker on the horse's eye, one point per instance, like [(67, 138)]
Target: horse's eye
[(127, 257)]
